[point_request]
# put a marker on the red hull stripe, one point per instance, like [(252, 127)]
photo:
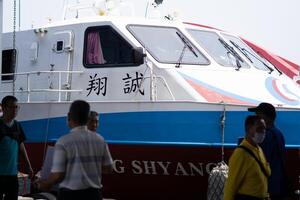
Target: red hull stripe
[(212, 96)]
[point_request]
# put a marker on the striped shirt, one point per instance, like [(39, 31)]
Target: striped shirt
[(81, 155)]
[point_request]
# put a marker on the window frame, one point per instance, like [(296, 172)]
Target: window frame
[(119, 36), (154, 56), (189, 30), (256, 56)]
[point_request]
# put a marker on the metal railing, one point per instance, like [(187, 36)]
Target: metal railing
[(165, 84), (29, 88)]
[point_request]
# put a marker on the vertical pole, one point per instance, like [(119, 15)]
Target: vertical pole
[(14, 45), (59, 87), (28, 87), (150, 65), (19, 15), (64, 9)]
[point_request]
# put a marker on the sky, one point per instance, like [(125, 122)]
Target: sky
[(272, 24)]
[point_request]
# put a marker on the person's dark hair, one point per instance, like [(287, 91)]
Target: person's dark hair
[(251, 121), (93, 114), (79, 112), (7, 99)]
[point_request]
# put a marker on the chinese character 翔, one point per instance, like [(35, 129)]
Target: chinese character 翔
[(97, 85)]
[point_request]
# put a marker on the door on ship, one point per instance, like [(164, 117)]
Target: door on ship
[(61, 63), (8, 67)]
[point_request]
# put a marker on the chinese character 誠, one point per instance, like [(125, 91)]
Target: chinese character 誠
[(132, 84), (97, 85)]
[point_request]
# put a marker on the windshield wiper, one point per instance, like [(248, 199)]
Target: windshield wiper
[(280, 72), (186, 45), (271, 69), (241, 50), (233, 52), (245, 51)]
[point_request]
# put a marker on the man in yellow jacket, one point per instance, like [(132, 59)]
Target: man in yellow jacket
[(248, 168)]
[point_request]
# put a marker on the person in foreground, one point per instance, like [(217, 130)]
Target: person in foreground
[(273, 147), (248, 169), (79, 160), (12, 139), (93, 121)]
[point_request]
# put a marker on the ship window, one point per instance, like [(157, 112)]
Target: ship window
[(255, 59), (8, 64), (104, 47), (168, 45), (59, 46), (223, 54)]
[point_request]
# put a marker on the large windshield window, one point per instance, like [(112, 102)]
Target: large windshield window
[(239, 45), (167, 45), (223, 53)]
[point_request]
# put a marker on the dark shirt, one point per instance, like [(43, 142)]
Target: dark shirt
[(273, 147), (10, 139)]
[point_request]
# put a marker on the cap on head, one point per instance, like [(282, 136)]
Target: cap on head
[(265, 108)]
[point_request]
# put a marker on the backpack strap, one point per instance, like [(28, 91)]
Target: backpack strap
[(253, 155)]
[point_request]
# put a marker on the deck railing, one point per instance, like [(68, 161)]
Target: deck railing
[(29, 88), (61, 87)]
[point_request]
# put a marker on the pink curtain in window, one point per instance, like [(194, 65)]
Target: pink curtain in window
[(94, 54)]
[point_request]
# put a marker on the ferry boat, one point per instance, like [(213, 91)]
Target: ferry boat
[(171, 96)]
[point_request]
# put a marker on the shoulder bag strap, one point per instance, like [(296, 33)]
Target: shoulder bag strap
[(253, 155)]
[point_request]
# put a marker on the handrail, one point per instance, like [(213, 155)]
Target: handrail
[(166, 85), (161, 78), (29, 90), (40, 72)]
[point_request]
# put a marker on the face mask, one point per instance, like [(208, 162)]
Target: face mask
[(258, 137)]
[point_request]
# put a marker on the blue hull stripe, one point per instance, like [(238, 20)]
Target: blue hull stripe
[(167, 128)]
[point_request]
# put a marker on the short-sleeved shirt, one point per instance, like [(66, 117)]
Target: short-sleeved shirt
[(81, 155), (10, 139), (245, 175)]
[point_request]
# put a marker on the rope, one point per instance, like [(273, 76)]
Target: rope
[(47, 132), (219, 174), (222, 124)]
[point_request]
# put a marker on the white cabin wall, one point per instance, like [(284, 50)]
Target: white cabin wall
[(24, 41), (25, 64), (115, 75)]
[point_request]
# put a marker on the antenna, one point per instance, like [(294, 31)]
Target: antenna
[(154, 3)]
